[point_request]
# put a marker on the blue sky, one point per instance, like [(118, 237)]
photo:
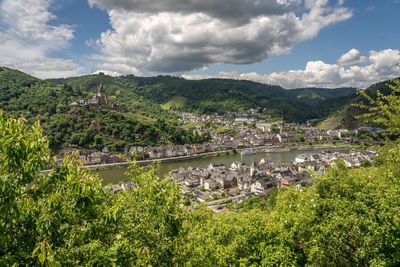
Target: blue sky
[(293, 43)]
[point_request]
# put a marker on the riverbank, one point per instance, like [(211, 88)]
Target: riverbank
[(213, 154), (161, 160)]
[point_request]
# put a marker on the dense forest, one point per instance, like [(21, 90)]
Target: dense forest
[(349, 217)]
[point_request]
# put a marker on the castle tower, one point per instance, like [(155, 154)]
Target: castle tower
[(101, 95), (101, 91)]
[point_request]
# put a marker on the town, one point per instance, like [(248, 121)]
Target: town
[(230, 133), (217, 185)]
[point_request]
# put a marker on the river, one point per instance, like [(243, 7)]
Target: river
[(117, 174)]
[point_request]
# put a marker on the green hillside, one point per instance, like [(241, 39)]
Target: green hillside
[(346, 116), (322, 93), (217, 95), (48, 101)]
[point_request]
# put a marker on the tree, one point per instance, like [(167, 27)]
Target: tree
[(23, 153), (67, 217), (384, 109)]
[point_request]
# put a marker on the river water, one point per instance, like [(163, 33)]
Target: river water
[(117, 174)]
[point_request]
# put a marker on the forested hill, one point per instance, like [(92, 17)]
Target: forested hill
[(218, 95), (149, 124), (323, 93), (346, 117)]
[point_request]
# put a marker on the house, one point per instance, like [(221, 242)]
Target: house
[(208, 147), (171, 151), (115, 159), (204, 176), (189, 150), (210, 184), (262, 185), (265, 127), (306, 157), (230, 181), (98, 158), (214, 165), (237, 165), (199, 148), (192, 182), (154, 153), (256, 141), (244, 183)]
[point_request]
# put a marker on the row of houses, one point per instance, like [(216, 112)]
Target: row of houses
[(246, 138), (94, 158), (319, 162)]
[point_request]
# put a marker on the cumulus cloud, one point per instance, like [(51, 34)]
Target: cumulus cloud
[(352, 58), (382, 65), (176, 36), (234, 11), (27, 38)]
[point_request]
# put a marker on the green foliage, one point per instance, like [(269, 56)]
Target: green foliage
[(298, 139), (23, 153), (351, 114), (66, 217), (90, 128), (383, 109)]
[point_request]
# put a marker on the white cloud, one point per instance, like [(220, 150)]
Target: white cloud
[(352, 58), (382, 66), (175, 36), (109, 73), (27, 38)]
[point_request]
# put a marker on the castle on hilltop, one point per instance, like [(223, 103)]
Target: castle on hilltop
[(98, 101)]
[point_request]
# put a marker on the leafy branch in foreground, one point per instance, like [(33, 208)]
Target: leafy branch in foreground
[(383, 109)]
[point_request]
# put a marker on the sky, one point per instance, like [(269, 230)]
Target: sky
[(292, 43)]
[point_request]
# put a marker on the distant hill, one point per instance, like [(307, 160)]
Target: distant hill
[(322, 93), (219, 95)]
